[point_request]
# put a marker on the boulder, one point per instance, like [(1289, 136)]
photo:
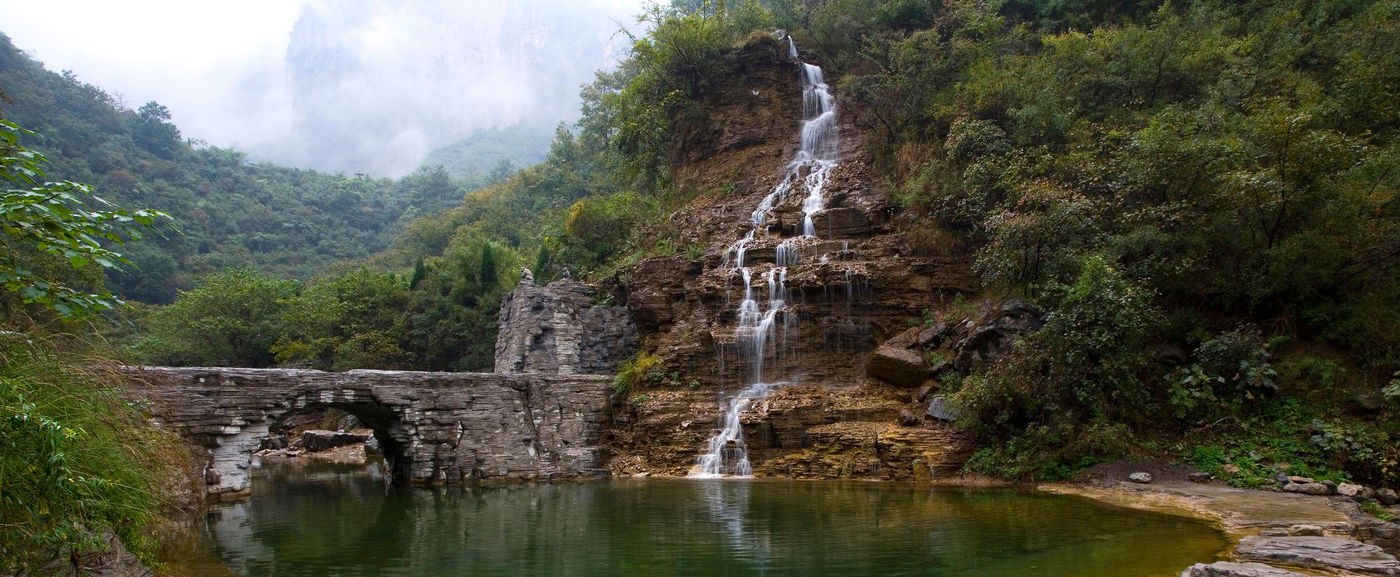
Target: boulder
[(842, 222), (932, 336), (1325, 553), (1140, 477), (1228, 569), (273, 443), (925, 391), (908, 419), (993, 333), (1301, 480), (1199, 477), (1387, 496), (1305, 531), (1307, 488), (1350, 490), (315, 440), (907, 339), (938, 408), (898, 366)]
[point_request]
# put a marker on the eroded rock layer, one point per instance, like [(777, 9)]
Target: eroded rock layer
[(851, 286)]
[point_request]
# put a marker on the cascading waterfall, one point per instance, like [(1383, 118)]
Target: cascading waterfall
[(816, 157)]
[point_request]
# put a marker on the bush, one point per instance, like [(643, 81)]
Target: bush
[(230, 318), (1068, 392), (1281, 435), (1231, 372)]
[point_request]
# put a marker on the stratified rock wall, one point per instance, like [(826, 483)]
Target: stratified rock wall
[(849, 288), (557, 329)]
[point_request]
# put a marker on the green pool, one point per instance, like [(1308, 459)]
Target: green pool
[(341, 521)]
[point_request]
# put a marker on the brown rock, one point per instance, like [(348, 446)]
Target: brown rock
[(1307, 488), (901, 367)]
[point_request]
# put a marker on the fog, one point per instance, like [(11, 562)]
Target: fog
[(369, 86)]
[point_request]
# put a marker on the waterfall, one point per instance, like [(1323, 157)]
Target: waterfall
[(726, 453)]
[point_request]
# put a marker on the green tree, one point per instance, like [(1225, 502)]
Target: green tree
[(230, 318), (151, 129), (351, 320)]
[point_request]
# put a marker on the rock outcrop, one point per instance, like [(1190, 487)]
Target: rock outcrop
[(1228, 569), (557, 329), (1324, 553), (978, 340)]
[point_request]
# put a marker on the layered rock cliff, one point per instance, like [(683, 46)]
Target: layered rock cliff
[(853, 285)]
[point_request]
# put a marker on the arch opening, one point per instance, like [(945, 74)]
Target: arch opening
[(340, 424)]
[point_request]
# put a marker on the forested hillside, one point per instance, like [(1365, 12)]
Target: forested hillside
[(1201, 195), (227, 212)]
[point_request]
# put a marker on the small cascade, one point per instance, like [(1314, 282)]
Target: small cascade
[(760, 323)]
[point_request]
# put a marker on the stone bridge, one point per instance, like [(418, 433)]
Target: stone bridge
[(435, 428)]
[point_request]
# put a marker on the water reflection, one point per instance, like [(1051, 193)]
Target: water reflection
[(338, 522)]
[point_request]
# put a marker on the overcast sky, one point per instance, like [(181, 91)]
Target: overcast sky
[(351, 85)]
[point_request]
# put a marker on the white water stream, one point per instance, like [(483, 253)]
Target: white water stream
[(726, 453)]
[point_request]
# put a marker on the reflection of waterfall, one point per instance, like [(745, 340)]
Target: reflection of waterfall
[(810, 169), (748, 537)]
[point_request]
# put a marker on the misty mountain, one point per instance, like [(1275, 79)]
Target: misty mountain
[(227, 211), (375, 86), (493, 153)]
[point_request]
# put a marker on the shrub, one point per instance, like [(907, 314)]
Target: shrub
[(1232, 371)]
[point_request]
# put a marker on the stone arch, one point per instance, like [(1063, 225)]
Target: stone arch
[(393, 435), (443, 428)]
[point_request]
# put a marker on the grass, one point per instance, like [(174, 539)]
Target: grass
[(1252, 452), (1375, 509), (77, 460)]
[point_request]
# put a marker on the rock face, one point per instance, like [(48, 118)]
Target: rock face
[(800, 431), (1228, 569), (435, 428), (855, 284), (981, 339), (1326, 553), (557, 329)]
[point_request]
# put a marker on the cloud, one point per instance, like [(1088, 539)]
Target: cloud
[(356, 86)]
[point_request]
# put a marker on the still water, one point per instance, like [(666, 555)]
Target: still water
[(325, 521)]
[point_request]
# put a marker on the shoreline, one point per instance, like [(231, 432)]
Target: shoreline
[(1255, 519)]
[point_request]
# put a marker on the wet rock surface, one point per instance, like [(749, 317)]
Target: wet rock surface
[(799, 431), (1325, 553)]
